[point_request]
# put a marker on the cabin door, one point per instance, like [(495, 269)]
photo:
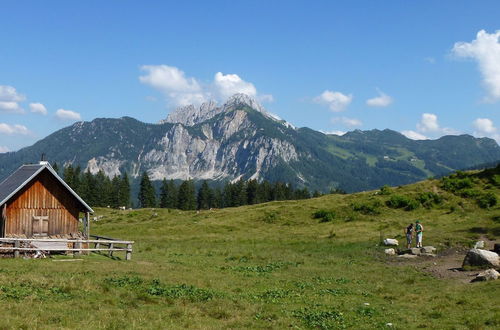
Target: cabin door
[(40, 226)]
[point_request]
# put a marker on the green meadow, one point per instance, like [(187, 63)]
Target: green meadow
[(309, 264)]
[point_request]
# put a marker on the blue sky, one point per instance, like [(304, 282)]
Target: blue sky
[(429, 68)]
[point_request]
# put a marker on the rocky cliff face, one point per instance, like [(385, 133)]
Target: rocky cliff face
[(239, 139)]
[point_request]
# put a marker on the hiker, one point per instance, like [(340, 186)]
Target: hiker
[(409, 235), (419, 229)]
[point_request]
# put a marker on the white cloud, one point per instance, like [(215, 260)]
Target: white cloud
[(38, 108), (349, 122), (63, 114), (13, 129), (429, 124), (9, 93), (4, 149), (230, 84), (382, 100), (173, 82), (485, 127), (339, 133), (336, 101), (9, 99), (414, 135), (181, 90), (267, 98), (485, 50), (11, 106)]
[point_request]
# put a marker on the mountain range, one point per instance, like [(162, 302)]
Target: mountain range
[(241, 140)]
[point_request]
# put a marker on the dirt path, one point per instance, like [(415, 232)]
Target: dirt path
[(446, 264)]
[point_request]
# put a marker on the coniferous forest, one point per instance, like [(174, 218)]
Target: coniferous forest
[(101, 191)]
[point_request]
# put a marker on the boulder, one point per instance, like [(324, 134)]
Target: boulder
[(496, 248), (481, 258), (391, 242), (390, 252), (479, 245), (415, 251), (408, 256), (428, 249), (487, 275)]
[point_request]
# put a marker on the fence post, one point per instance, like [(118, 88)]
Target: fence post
[(17, 244), (111, 246), (128, 254), (76, 245)]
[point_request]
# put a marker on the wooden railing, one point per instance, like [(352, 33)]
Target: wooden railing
[(75, 246)]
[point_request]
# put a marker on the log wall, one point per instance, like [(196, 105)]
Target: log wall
[(43, 196)]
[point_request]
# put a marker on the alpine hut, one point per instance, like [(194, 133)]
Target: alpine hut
[(36, 203)]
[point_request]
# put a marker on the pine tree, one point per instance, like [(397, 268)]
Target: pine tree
[(186, 197), (88, 188), (114, 199), (55, 168), (69, 176), (103, 189), (205, 196), (218, 198), (147, 194), (124, 191), (252, 187)]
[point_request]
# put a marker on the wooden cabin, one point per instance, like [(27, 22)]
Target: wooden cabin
[(36, 203)]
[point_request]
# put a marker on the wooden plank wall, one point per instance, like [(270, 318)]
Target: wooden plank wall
[(43, 196)]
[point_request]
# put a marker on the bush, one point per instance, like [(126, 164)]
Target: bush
[(369, 208), (454, 183), (487, 200), (324, 215), (400, 201), (429, 199), (469, 193), (385, 190)]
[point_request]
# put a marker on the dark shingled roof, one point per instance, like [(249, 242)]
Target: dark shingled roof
[(17, 180)]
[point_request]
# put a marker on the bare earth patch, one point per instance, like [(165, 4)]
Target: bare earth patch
[(447, 264)]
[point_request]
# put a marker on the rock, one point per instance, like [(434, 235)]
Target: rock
[(487, 275), (479, 245), (481, 258), (391, 242), (496, 248), (390, 252), (415, 251), (428, 249), (428, 255), (408, 256)]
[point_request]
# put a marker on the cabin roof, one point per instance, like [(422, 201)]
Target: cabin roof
[(25, 174)]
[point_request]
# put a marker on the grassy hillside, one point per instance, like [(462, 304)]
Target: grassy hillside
[(272, 265)]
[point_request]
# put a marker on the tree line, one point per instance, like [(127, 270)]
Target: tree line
[(98, 189), (185, 196), (101, 191)]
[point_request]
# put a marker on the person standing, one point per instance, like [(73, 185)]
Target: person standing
[(419, 229), (409, 235)]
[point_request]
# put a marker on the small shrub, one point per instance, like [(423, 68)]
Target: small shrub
[(385, 190), (324, 215), (469, 193), (455, 183), (369, 208), (487, 200), (330, 319), (270, 217), (495, 179), (400, 201), (429, 199)]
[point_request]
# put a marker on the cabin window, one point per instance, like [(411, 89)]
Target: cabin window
[(40, 226)]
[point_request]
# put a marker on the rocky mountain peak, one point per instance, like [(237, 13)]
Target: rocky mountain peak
[(191, 115), (240, 99)]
